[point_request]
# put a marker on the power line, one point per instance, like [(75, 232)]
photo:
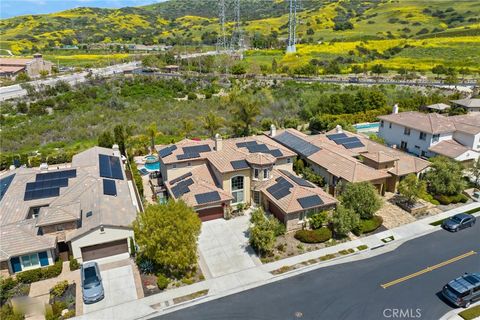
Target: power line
[(292, 26), (222, 37)]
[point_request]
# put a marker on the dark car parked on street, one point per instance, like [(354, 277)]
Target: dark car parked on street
[(92, 287), (458, 222), (463, 290)]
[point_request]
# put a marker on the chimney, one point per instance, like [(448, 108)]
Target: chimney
[(43, 166), (116, 150), (339, 129), (12, 167), (273, 130), (395, 109), (218, 142)]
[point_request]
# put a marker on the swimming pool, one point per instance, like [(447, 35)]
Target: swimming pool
[(151, 158), (153, 166), (371, 125)]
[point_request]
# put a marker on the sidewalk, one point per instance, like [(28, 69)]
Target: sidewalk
[(453, 315), (260, 275)]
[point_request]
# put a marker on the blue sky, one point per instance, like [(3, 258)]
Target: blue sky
[(10, 8)]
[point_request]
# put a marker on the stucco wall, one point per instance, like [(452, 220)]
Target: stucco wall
[(469, 140), (96, 237), (178, 169), (226, 182)]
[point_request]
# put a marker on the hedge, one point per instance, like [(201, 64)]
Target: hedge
[(368, 225), (74, 265), (446, 200), (40, 273), (314, 236)]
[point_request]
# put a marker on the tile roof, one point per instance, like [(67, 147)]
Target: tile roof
[(467, 103), (449, 148), (60, 213), (289, 203), (11, 69), (379, 156), (185, 143), (260, 159), (14, 61), (438, 106), (433, 123)]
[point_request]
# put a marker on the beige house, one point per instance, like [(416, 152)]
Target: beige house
[(11, 67), (215, 176), (84, 210)]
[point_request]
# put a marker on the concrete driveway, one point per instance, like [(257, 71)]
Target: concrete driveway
[(119, 285), (224, 249)]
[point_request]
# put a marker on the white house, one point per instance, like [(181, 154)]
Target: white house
[(430, 134)]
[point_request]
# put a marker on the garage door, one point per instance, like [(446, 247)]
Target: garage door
[(210, 213), (104, 250)]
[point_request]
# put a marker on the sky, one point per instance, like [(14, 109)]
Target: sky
[(11, 8)]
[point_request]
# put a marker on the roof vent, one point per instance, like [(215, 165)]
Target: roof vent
[(339, 129), (12, 167), (44, 166), (273, 130)]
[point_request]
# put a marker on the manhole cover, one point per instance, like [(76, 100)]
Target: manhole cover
[(298, 314)]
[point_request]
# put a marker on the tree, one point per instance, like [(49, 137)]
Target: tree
[(439, 69), (344, 220), (105, 139), (167, 234), (274, 65), (379, 69), (238, 69), (356, 69), (187, 127), (361, 197), (119, 135), (445, 177), (411, 188), (152, 133), (475, 172), (317, 220), (212, 122), (262, 232), (245, 114)]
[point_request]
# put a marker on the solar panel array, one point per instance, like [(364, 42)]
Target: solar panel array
[(297, 180), (193, 152), (109, 187), (188, 156), (239, 164), (280, 189), (167, 151), (4, 184), (183, 176), (181, 188), (310, 201), (255, 147), (297, 144), (207, 197), (346, 141), (47, 185), (110, 167)]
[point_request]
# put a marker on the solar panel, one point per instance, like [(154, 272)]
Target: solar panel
[(276, 153), (45, 184), (109, 187), (336, 136), (188, 156), (4, 184), (110, 167), (352, 145), (257, 148), (72, 173), (297, 144), (298, 180), (42, 193), (280, 189), (239, 164), (166, 151), (184, 176), (181, 188), (345, 140), (246, 144), (310, 201), (207, 197), (197, 149)]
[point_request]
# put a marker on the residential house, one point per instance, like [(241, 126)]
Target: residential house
[(469, 104), (430, 134), (216, 176), (11, 67), (84, 209)]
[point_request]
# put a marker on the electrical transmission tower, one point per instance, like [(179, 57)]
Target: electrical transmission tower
[(237, 41), (222, 37), (292, 26)]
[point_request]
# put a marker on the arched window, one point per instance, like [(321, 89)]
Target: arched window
[(237, 189)]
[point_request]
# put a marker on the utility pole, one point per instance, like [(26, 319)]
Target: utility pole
[(237, 41), (292, 26), (221, 41)]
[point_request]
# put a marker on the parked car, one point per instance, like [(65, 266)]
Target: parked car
[(463, 290), (458, 222), (92, 286)]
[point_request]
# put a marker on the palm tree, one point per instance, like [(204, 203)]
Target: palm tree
[(152, 132), (212, 122), (245, 114)]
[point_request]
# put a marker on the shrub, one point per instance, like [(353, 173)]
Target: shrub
[(40, 273), (192, 96), (162, 281), (146, 266), (317, 220), (74, 265), (7, 312), (362, 247), (69, 314), (52, 271), (368, 225), (133, 249), (6, 284), (314, 236), (446, 200), (59, 289)]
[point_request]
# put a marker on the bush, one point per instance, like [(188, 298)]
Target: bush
[(368, 225), (74, 265), (446, 200), (40, 273), (314, 236), (6, 284), (7, 312), (317, 220), (69, 314), (133, 249), (191, 96), (162, 281), (59, 289)]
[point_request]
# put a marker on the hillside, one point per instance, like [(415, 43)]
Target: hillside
[(264, 23)]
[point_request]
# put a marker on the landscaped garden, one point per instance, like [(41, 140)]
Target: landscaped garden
[(62, 301)]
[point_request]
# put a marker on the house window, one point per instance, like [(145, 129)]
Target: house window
[(403, 145), (423, 136), (424, 154), (256, 197), (189, 164), (237, 189), (406, 131), (435, 138), (289, 160), (381, 124), (59, 227), (266, 174), (30, 260), (174, 166), (390, 125), (255, 173)]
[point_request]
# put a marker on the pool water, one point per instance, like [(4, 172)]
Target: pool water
[(372, 125), (154, 166), (151, 158)]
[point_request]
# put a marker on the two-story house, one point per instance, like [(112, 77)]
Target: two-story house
[(430, 134)]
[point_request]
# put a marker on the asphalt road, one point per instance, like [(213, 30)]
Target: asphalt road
[(353, 290)]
